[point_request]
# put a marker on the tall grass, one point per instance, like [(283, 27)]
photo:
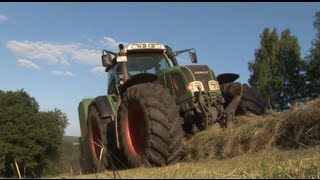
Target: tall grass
[(275, 145), (299, 127), (271, 163)]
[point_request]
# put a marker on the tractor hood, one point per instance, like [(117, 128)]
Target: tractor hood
[(200, 73), (183, 81), (188, 74)]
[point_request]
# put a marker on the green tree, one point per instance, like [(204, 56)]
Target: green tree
[(277, 70), (313, 62), (265, 73), (27, 136), (291, 67)]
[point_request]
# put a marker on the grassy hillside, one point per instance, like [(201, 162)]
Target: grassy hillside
[(272, 163), (275, 145), (70, 139), (69, 151)]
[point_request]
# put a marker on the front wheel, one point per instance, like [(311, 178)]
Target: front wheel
[(150, 126)]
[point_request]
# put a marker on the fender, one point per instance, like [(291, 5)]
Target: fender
[(227, 77), (83, 115), (104, 107), (138, 79)]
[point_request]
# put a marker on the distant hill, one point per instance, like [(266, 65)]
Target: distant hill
[(70, 139)]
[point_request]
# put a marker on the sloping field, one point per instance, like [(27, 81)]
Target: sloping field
[(299, 127), (272, 163), (274, 145)]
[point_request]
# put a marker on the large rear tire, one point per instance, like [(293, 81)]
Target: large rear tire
[(150, 126), (251, 100)]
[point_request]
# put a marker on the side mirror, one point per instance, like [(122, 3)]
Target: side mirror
[(193, 57), (106, 60)]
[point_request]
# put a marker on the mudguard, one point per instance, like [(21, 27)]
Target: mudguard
[(104, 105), (83, 114), (138, 79), (227, 77)]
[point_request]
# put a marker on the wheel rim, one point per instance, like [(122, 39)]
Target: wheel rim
[(134, 130), (95, 139)]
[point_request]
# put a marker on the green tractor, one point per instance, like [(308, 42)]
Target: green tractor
[(152, 103)]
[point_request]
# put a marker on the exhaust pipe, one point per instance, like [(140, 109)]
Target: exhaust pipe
[(123, 65)]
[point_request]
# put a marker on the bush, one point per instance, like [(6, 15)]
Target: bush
[(28, 137)]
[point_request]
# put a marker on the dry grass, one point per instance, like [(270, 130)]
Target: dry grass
[(299, 127), (248, 134), (271, 163), (274, 145)]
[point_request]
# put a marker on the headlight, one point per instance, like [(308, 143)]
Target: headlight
[(193, 86), (213, 85)]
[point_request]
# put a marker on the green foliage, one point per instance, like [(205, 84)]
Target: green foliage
[(263, 68), (276, 69), (291, 69), (279, 72), (69, 153), (28, 136), (313, 62)]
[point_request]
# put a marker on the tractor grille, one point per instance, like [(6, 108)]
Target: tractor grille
[(201, 73)]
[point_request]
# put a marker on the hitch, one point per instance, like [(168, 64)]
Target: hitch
[(209, 106), (200, 100), (229, 112)]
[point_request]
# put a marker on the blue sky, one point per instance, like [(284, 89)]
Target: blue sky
[(52, 50)]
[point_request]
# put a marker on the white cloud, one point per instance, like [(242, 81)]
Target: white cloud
[(98, 70), (112, 44), (60, 54), (62, 73), (55, 72), (3, 17), (68, 73), (87, 56), (54, 53), (27, 64)]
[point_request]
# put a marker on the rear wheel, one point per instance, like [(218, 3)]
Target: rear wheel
[(116, 160), (251, 100), (97, 139), (150, 126)]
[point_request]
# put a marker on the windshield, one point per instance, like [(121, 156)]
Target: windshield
[(146, 63)]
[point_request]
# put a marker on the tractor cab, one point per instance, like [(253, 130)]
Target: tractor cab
[(144, 57), (138, 63), (138, 58)]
